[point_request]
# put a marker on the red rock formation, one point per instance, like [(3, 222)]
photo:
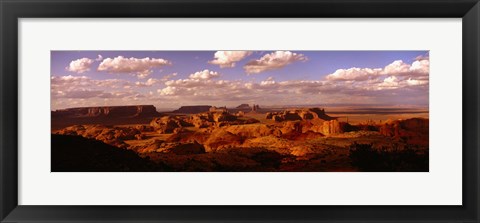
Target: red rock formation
[(251, 131), (108, 115), (299, 114), (220, 139), (193, 109), (314, 125), (244, 107), (168, 124), (110, 111), (413, 131), (331, 127)]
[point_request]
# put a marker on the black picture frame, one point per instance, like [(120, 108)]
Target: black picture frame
[(12, 10)]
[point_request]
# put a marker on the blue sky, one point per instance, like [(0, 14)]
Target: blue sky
[(115, 77), (320, 63)]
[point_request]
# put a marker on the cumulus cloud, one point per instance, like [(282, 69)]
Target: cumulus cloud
[(408, 83), (80, 66), (205, 75), (389, 83), (419, 69), (412, 82), (195, 81), (268, 81), (82, 86), (273, 61), (421, 66), (169, 90), (397, 78), (141, 67), (168, 76), (148, 83), (82, 94), (69, 80), (154, 81), (229, 58), (354, 74), (198, 84), (368, 85), (144, 74), (99, 58)]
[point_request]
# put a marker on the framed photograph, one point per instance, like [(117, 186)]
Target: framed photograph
[(228, 111)]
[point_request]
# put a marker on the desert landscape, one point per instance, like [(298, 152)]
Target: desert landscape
[(215, 129), (245, 138)]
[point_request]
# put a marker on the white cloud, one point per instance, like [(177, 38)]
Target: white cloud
[(142, 68), (391, 82), (269, 81), (354, 74), (397, 67), (144, 74), (80, 66), (229, 58), (69, 80), (419, 69), (148, 83), (99, 58), (273, 61), (204, 74), (421, 66), (169, 90), (354, 85), (412, 82)]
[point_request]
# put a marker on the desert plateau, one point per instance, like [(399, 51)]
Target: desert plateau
[(244, 138)]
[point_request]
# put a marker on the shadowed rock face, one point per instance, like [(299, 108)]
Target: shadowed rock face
[(414, 131), (193, 109), (244, 106), (108, 115), (110, 111), (299, 114), (114, 136)]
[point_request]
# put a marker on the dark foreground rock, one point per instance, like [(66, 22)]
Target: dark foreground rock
[(78, 154)]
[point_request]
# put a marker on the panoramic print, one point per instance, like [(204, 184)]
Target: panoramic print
[(240, 111)]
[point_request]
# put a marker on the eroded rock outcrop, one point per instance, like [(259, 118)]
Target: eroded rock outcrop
[(104, 115), (108, 111), (159, 146), (315, 125), (193, 109), (252, 131), (413, 131), (244, 107), (168, 124), (299, 114), (220, 139), (330, 127)]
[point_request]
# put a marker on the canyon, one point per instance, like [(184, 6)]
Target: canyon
[(244, 138)]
